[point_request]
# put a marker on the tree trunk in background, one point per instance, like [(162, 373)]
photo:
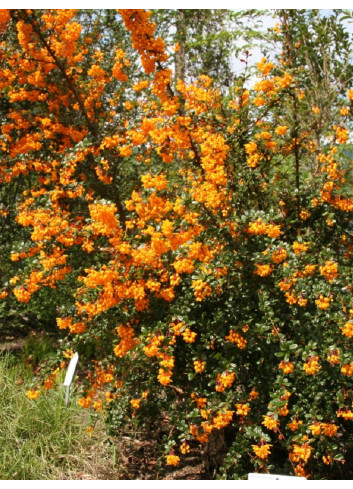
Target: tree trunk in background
[(214, 450), (181, 38)]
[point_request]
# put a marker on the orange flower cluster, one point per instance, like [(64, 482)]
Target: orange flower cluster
[(341, 134), (172, 460), (263, 270), (49, 382), (104, 219), (259, 227), (253, 395), (128, 340), (304, 214), (184, 448), (184, 265), (199, 366), (287, 367), (327, 429), (281, 130), (32, 394), (299, 248), (152, 349), (164, 376), (264, 66), (262, 451), (135, 403), (327, 459), (311, 366), (329, 270), (301, 453), (200, 401), (98, 379), (333, 357), (347, 329), (156, 348), (279, 255), (4, 19), (221, 420), (201, 289), (117, 70), (67, 323), (152, 50), (294, 425), (224, 380), (346, 414), (242, 409), (236, 338), (254, 156), (270, 423), (347, 369), (323, 302)]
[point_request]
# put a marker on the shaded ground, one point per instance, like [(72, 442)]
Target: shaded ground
[(11, 344), (128, 459), (139, 462)]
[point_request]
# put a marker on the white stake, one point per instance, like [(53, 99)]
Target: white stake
[(69, 376)]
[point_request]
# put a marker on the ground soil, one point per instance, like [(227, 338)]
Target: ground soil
[(138, 458)]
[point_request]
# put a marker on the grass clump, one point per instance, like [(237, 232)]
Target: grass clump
[(44, 439)]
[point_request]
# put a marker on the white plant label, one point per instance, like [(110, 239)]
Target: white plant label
[(71, 370), (273, 477)]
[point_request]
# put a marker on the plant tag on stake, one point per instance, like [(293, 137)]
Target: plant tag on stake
[(69, 376), (274, 477)]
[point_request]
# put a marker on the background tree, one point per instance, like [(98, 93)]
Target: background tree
[(208, 40)]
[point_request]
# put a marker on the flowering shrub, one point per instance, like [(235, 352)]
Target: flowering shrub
[(204, 244)]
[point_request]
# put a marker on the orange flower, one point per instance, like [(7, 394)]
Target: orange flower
[(4, 19), (323, 302), (329, 270), (199, 366), (235, 337), (243, 409), (135, 403), (253, 395), (262, 451), (315, 428), (347, 329), (347, 369), (224, 380), (301, 453), (184, 448), (300, 247), (164, 376), (327, 459), (333, 357), (189, 336), (32, 394), (287, 367), (279, 255), (270, 423), (294, 425), (311, 366), (329, 429), (172, 460), (201, 289), (263, 270), (281, 130)]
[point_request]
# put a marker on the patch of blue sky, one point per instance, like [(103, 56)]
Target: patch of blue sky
[(258, 52)]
